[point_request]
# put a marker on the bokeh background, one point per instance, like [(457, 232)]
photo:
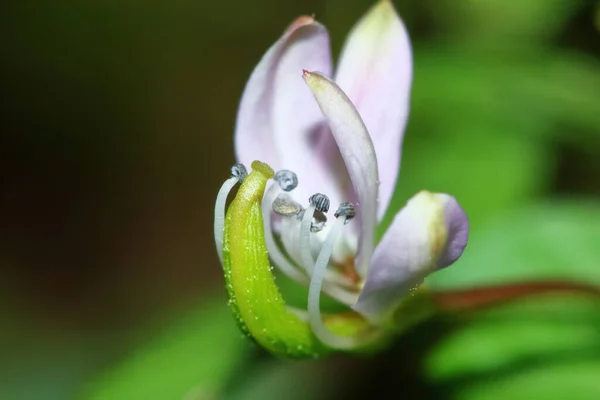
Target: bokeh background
[(116, 132)]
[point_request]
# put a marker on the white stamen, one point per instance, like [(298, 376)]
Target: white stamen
[(338, 293), (277, 256), (318, 203), (305, 253), (316, 283), (238, 174), (287, 180)]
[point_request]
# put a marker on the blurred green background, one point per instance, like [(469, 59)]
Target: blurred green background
[(117, 120)]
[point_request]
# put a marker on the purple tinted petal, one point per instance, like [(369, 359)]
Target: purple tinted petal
[(375, 71), (430, 232), (277, 114), (457, 225), (357, 150)]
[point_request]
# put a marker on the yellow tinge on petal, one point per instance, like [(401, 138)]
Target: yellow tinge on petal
[(430, 208), (410, 250), (372, 38), (377, 19)]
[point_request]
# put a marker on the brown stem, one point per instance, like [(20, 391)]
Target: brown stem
[(475, 299)]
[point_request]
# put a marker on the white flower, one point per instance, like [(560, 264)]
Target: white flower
[(347, 145)]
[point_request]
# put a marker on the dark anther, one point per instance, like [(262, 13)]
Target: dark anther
[(287, 180), (346, 210), (320, 202), (239, 171)]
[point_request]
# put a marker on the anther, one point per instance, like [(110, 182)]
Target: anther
[(285, 206), (318, 222), (286, 179), (346, 210), (319, 201), (239, 171)]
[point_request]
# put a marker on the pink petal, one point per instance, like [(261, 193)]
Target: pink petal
[(375, 71), (429, 233), (357, 150), (278, 118)]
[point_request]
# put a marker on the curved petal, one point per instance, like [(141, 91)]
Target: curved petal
[(277, 117), (375, 71), (429, 233), (357, 150)]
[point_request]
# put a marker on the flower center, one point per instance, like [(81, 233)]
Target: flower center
[(293, 238)]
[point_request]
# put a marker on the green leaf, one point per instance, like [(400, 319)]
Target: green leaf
[(554, 240), (485, 168), (503, 20), (282, 379), (485, 128), (545, 346), (197, 354), (521, 91), (572, 380)]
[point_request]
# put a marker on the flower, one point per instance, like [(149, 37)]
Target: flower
[(342, 138)]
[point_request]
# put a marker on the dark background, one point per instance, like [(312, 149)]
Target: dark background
[(116, 126)]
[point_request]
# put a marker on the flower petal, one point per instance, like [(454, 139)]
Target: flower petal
[(357, 150), (429, 233), (375, 71), (277, 117)]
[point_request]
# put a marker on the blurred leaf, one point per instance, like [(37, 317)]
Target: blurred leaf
[(520, 350), (523, 92), (194, 356), (573, 380), (503, 20), (543, 347), (485, 168), (535, 330), (557, 239), (281, 379), (484, 128)]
